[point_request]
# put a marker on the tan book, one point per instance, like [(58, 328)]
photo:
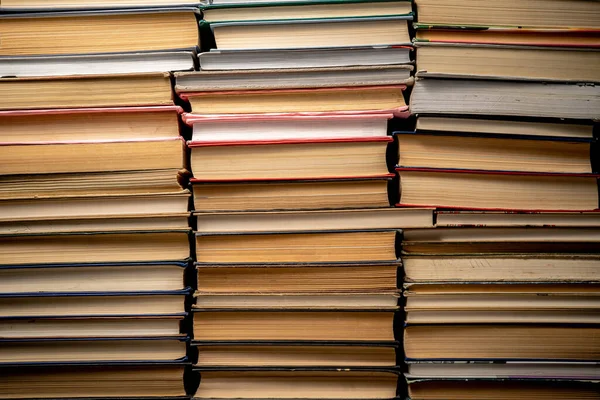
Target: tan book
[(98, 247), (509, 267), (291, 221), (501, 342), (86, 91), (500, 389), (290, 195), (504, 127), (508, 219), (292, 325), (496, 154), (90, 32), (448, 189), (92, 157), (273, 248), (305, 279), (294, 355), (539, 13), (290, 160), (365, 98), (507, 62), (93, 184), (314, 11), (87, 4), (293, 34), (93, 381), (133, 327), (300, 384), (93, 279), (89, 124), (92, 306)]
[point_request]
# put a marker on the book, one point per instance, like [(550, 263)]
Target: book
[(355, 99), (443, 188), (474, 61), (506, 127), (290, 195), (291, 325), (99, 278), (294, 221), (350, 279), (280, 384), (579, 14), (95, 64), (290, 159), (213, 13), (479, 97), (445, 151), (86, 91), (498, 218), (273, 248), (82, 125), (518, 342), (512, 267), (69, 328), (200, 81), (102, 223), (48, 186), (57, 209), (37, 5), (96, 247), (213, 355), (497, 35), (312, 34), (88, 32), (240, 128), (109, 381), (93, 304), (215, 59), (436, 389), (289, 300), (97, 156)]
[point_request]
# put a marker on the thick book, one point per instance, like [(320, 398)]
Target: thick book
[(497, 190), (289, 159), (94, 247), (79, 125), (235, 60), (580, 14), (341, 384), (291, 325), (511, 267), (291, 247), (347, 99), (294, 221), (507, 98), (312, 33), (94, 64), (152, 89), (291, 194), (258, 356), (265, 279), (201, 81), (506, 62), (92, 278), (97, 380), (89, 32), (98, 156), (274, 10), (308, 126), (504, 342)]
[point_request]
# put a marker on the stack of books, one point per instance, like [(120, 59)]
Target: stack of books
[(94, 231), (502, 297), (295, 237)]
